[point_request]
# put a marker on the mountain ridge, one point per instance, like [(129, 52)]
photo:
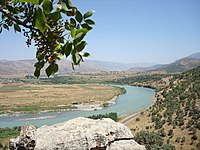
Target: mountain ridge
[(27, 66), (187, 63)]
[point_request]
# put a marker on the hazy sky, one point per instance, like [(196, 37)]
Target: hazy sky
[(129, 31)]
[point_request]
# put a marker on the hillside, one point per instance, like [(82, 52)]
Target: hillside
[(184, 64), (24, 67), (114, 66), (154, 67), (175, 116), (195, 56), (181, 65)]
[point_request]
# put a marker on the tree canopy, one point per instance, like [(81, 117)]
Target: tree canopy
[(56, 27)]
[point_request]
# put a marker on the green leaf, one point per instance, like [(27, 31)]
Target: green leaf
[(78, 37), (59, 56), (69, 4), (57, 47), (37, 72), (64, 7), (5, 26), (58, 6), (83, 30), (38, 67), (84, 25), (36, 2), (90, 22), (0, 30), (73, 22), (78, 26), (40, 20), (73, 32), (80, 46), (55, 68), (40, 54), (17, 28), (79, 16), (86, 54), (55, 16), (76, 58), (47, 6), (67, 48), (88, 14), (51, 69)]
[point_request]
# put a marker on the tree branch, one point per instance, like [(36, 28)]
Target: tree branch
[(17, 21)]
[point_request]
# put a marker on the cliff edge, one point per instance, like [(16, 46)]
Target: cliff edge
[(76, 134)]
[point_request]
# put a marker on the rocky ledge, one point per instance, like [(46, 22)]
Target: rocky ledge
[(76, 134)]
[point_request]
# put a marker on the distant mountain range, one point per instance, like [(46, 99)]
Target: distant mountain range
[(113, 66), (25, 67), (181, 65)]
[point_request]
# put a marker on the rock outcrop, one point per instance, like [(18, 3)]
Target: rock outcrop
[(77, 134)]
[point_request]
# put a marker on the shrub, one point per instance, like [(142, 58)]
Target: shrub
[(151, 140), (137, 119), (111, 115), (168, 147)]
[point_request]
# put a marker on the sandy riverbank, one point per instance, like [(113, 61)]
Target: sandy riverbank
[(81, 106), (90, 107)]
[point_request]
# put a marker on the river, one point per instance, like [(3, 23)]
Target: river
[(136, 98)]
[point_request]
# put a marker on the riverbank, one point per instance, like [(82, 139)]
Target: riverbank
[(30, 98), (90, 107), (126, 118), (80, 106)]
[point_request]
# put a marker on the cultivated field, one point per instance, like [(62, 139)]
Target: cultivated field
[(18, 97)]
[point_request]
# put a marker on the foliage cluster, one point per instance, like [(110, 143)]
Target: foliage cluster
[(111, 115), (6, 133), (141, 79), (56, 27), (9, 132), (152, 141)]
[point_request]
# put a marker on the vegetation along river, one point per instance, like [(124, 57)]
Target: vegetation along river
[(136, 98)]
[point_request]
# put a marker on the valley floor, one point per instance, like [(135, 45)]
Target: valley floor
[(30, 98)]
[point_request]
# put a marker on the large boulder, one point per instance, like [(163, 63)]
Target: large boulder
[(77, 134)]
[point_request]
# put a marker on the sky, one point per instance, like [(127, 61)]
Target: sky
[(129, 31)]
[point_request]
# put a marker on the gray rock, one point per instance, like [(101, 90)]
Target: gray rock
[(77, 134), (126, 145)]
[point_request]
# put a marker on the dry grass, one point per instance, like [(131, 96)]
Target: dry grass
[(20, 97)]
